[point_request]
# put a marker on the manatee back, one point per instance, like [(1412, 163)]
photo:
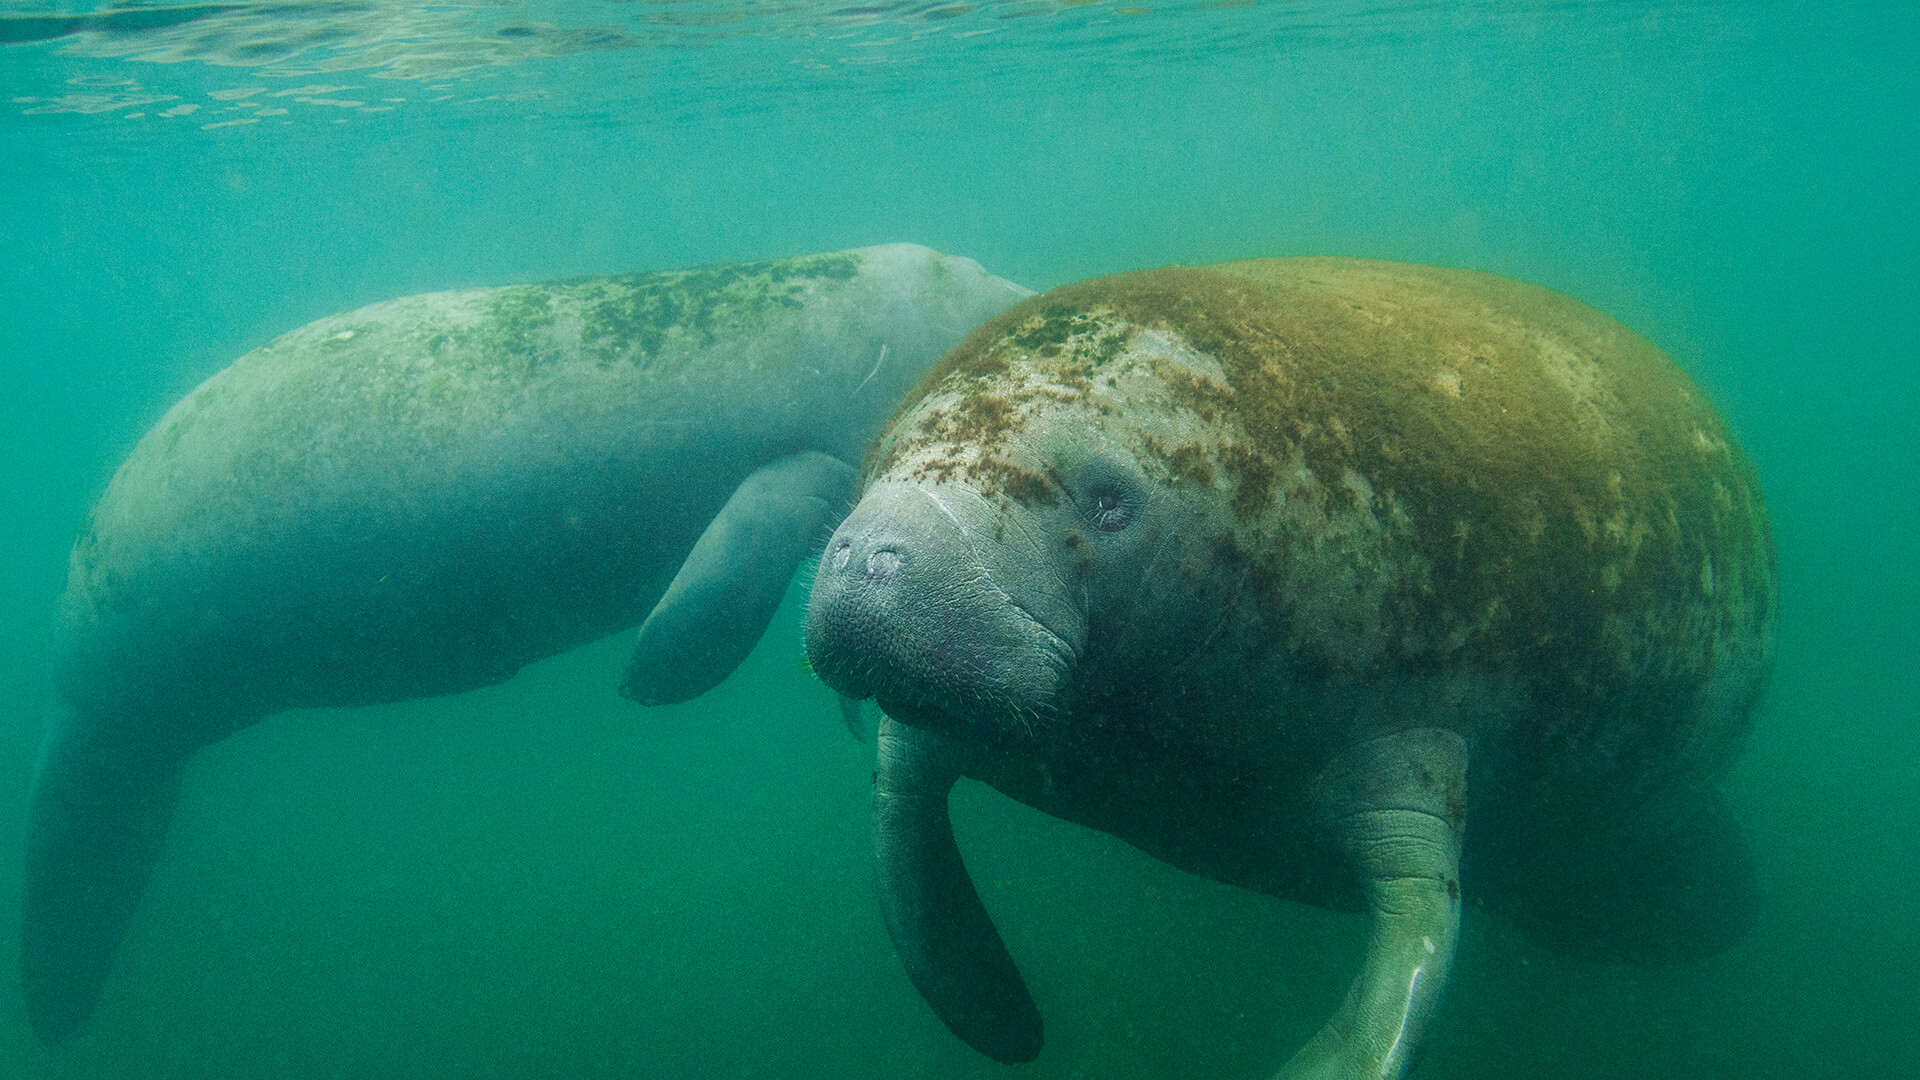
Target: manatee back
[(425, 494), (1445, 479), (1570, 510)]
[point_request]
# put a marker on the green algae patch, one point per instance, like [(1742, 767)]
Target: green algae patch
[(1053, 330), (425, 367), (517, 330), (994, 476), (631, 317)]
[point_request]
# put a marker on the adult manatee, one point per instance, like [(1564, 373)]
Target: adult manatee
[(1301, 575), (421, 496)]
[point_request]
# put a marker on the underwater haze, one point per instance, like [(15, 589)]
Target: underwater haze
[(543, 879)]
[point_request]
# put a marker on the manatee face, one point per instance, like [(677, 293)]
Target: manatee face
[(997, 571)]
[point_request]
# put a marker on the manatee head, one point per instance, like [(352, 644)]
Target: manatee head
[(1024, 511)]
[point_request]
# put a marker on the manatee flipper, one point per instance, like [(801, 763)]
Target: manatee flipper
[(1673, 882), (1395, 808), (945, 939), (96, 821), (727, 590)]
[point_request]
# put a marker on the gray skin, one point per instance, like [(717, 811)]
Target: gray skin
[(1285, 571), (424, 495)]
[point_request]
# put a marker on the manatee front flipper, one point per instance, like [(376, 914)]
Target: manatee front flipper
[(96, 821), (945, 940), (726, 592), (1396, 809)]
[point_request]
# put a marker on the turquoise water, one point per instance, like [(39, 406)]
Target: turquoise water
[(541, 879)]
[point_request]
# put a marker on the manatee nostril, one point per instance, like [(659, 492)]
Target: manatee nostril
[(884, 563), (842, 551)]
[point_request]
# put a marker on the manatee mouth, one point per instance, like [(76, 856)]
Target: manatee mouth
[(994, 704), (932, 680), (907, 611)]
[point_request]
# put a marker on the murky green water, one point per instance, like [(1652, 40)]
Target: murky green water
[(542, 879)]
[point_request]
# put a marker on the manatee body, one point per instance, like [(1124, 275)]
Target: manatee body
[(1356, 583), (421, 496)]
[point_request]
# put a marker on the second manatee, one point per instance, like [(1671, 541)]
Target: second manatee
[(424, 495)]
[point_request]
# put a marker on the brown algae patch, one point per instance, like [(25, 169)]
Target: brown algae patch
[(982, 392), (964, 438), (986, 390), (1509, 479)]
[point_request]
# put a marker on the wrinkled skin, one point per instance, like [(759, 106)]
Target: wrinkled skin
[(424, 495), (1354, 583)]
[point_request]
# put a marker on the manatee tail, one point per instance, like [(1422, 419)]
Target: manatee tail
[(96, 821)]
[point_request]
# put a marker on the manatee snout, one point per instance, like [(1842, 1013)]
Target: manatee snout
[(906, 610)]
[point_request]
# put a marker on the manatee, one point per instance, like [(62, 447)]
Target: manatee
[(424, 495), (1354, 583)]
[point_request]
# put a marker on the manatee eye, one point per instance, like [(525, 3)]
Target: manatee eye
[(1110, 507)]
